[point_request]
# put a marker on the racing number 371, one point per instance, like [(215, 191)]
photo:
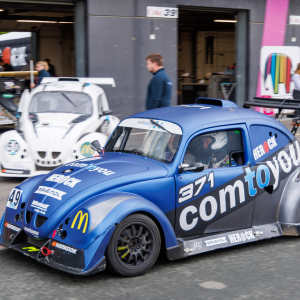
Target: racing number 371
[(14, 198)]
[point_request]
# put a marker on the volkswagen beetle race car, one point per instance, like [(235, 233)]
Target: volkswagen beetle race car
[(188, 179), (55, 123)]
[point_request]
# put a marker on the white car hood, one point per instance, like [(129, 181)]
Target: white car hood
[(54, 132)]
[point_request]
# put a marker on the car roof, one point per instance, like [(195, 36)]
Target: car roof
[(73, 86), (194, 117)]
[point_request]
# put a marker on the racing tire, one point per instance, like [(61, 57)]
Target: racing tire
[(134, 246)]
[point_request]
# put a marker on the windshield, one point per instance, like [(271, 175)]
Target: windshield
[(61, 102), (152, 142)]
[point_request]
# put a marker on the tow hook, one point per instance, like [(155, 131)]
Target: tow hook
[(45, 251)]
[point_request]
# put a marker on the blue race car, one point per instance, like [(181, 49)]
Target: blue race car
[(188, 179)]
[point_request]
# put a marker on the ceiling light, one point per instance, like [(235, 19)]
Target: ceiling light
[(65, 22), (36, 21), (226, 21), (1, 9)]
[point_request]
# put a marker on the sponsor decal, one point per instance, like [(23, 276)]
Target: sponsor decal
[(14, 198), (91, 167), (64, 247), (33, 232), (40, 207), (81, 219), (220, 202), (197, 245), (91, 158), (66, 180), (241, 237), (46, 125), (7, 95), (86, 149), (12, 147), (44, 190), (150, 125), (217, 241), (261, 150), (31, 249), (12, 227)]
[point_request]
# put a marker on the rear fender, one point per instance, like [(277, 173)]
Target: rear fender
[(289, 205)]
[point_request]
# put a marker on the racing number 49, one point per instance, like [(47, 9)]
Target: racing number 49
[(14, 198)]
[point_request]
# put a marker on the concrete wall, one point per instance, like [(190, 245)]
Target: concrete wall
[(118, 42)]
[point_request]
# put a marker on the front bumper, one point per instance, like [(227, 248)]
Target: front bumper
[(63, 257)]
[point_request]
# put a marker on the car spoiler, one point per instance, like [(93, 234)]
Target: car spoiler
[(293, 104), (280, 104), (100, 81)]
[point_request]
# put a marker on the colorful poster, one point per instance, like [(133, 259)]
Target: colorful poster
[(15, 49), (277, 66)]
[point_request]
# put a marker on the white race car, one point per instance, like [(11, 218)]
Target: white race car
[(57, 121)]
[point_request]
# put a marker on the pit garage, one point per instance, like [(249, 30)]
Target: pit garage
[(43, 29), (207, 53)]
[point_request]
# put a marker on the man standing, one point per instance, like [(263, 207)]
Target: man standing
[(160, 86)]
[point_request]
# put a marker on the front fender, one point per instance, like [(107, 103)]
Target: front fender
[(82, 147), (109, 209), (12, 135), (289, 206), (27, 188)]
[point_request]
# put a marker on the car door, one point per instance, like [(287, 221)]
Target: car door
[(214, 199)]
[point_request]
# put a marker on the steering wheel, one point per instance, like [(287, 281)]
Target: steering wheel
[(137, 151)]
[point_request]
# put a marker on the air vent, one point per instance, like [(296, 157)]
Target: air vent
[(40, 168), (55, 154), (29, 215), (42, 154), (40, 220), (36, 242)]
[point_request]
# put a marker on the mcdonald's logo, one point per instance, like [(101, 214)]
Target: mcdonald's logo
[(81, 219), (86, 150)]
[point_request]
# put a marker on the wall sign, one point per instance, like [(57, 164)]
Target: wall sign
[(162, 12), (295, 20)]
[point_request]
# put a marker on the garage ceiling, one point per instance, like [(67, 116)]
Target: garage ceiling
[(58, 10), (193, 19)]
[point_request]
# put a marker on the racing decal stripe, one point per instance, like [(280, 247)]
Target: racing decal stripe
[(99, 211)]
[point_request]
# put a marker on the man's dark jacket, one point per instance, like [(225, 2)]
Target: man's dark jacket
[(43, 73), (159, 90)]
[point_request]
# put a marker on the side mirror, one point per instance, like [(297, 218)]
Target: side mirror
[(185, 167), (95, 145), (107, 112)]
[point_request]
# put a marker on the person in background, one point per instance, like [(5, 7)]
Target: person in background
[(42, 68), (160, 87), (5, 66), (296, 79), (51, 68)]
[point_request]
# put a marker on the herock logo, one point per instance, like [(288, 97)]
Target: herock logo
[(264, 148)]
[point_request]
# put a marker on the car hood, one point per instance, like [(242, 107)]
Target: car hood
[(54, 131), (66, 187)]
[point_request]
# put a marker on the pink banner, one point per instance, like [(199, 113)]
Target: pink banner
[(274, 28)]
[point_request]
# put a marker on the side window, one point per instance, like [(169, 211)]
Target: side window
[(100, 104), (216, 149)]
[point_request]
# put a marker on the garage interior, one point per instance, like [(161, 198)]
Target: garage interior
[(52, 28), (206, 54)]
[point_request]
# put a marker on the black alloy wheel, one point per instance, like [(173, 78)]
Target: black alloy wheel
[(134, 246)]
